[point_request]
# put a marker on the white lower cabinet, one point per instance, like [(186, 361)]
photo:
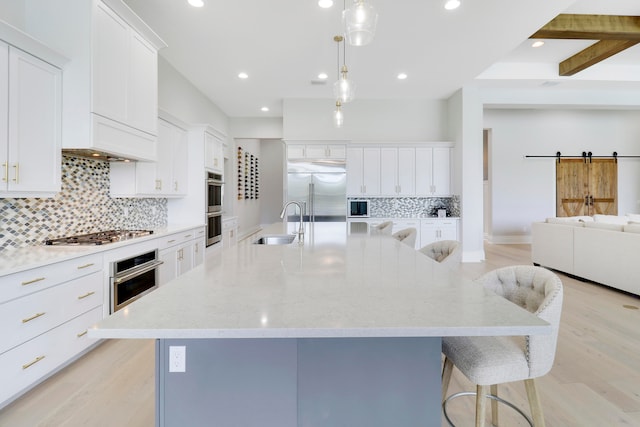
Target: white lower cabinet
[(44, 315), (432, 230), (229, 232), (180, 252)]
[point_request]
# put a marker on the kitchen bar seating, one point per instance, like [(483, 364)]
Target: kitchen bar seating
[(446, 252), (406, 236), (489, 361), (383, 228)]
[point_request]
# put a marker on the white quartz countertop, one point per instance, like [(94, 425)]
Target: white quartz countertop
[(332, 286), (15, 260)]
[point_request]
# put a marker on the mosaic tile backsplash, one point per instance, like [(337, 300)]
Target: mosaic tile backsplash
[(82, 206), (411, 207)]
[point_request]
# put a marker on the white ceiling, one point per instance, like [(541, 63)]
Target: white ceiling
[(284, 44)]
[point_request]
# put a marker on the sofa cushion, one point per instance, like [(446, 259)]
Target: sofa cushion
[(632, 228), (611, 219), (570, 220), (605, 226)]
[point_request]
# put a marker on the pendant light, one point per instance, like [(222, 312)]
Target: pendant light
[(360, 22), (338, 115), (343, 89)]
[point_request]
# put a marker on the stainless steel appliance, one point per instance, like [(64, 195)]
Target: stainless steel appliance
[(214, 195), (214, 228), (322, 185), (358, 208), (214, 192), (133, 277), (99, 238)]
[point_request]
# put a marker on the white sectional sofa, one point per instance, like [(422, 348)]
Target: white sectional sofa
[(603, 249)]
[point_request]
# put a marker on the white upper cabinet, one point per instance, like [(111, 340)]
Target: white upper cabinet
[(316, 151), (30, 121), (166, 177), (363, 171), (110, 86), (433, 171), (397, 171), (213, 153)]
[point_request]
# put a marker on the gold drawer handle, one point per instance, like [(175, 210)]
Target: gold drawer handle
[(171, 241), (39, 279), (85, 266), (88, 294), (35, 316), (186, 236), (81, 334), (33, 362)]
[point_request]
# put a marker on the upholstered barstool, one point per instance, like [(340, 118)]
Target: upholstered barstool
[(446, 252), (406, 236), (489, 361), (382, 228)]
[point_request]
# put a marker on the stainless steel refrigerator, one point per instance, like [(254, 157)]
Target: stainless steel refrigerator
[(322, 186)]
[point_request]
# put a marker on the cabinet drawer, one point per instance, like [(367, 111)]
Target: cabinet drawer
[(178, 238), (25, 318), (29, 281), (26, 364)]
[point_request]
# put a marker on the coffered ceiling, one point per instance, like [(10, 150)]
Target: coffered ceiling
[(284, 44)]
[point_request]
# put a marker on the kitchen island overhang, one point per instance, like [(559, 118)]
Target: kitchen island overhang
[(329, 308)]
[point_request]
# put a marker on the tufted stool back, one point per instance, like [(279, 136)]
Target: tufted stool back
[(447, 252), (406, 236), (383, 228)]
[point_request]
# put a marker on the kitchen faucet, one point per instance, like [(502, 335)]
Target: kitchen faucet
[(301, 228)]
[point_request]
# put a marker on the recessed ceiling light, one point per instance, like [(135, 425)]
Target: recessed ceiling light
[(243, 75), (402, 76), (537, 43), (325, 3), (196, 3), (265, 109), (323, 76), (452, 4)]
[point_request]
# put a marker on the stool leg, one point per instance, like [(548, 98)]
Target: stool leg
[(481, 404), (494, 405), (534, 403), (447, 370)]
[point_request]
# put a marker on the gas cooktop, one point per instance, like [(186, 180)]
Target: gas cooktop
[(99, 238)]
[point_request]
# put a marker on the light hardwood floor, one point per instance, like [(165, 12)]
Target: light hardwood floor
[(595, 381)]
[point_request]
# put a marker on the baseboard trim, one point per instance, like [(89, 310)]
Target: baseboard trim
[(510, 240)]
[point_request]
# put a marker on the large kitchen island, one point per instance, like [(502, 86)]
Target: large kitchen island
[(343, 330)]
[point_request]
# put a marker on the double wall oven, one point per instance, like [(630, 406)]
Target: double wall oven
[(214, 194)]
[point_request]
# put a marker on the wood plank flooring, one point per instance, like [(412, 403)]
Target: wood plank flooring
[(595, 380)]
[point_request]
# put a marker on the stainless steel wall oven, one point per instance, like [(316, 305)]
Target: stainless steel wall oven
[(214, 228), (133, 277), (214, 192)]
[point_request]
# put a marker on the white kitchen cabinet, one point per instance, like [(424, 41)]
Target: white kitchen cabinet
[(229, 232), (110, 85), (180, 252), (44, 316), (30, 121), (435, 229), (316, 151), (397, 171), (166, 177), (433, 171), (213, 153), (363, 171)]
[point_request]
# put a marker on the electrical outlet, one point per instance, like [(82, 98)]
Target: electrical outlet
[(177, 358)]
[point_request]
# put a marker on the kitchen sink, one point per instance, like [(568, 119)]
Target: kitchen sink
[(275, 239)]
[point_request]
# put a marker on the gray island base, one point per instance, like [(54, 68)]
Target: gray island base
[(301, 382), (344, 330)]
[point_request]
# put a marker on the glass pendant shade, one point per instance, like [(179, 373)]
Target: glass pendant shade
[(360, 22), (338, 116), (344, 89)]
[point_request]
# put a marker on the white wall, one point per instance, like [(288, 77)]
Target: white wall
[(256, 127), (247, 210), (523, 190), (366, 120), (12, 12), (272, 175)]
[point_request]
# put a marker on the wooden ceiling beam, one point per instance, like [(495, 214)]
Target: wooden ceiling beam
[(593, 54), (591, 27)]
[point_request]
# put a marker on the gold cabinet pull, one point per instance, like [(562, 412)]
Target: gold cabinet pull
[(5, 176), (33, 362), (171, 241), (188, 236), (16, 167), (80, 267), (35, 316), (88, 294), (28, 282), (81, 334)]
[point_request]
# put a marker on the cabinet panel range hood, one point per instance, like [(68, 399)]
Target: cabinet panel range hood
[(95, 155)]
